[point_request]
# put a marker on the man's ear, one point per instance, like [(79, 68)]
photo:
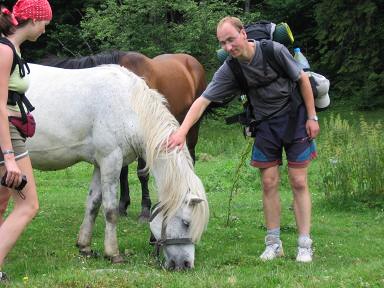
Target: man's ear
[(244, 33)]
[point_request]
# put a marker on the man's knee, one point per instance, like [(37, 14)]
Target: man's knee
[(270, 184), (299, 184)]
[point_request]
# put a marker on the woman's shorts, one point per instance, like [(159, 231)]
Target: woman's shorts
[(18, 144), (269, 144)]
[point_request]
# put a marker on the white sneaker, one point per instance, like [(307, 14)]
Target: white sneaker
[(273, 249), (304, 251)]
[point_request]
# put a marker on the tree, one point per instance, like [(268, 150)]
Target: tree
[(159, 26), (350, 38)]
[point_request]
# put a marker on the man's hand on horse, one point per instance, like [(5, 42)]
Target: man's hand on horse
[(177, 139)]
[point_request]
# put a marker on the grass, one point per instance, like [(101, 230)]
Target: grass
[(348, 242)]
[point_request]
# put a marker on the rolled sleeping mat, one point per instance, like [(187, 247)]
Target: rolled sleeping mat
[(283, 34), (221, 55)]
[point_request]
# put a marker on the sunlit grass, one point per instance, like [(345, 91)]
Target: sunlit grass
[(348, 242)]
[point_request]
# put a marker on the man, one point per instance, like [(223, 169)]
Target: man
[(271, 105)]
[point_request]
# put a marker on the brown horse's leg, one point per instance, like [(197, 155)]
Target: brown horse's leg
[(145, 198), (192, 137), (125, 199)]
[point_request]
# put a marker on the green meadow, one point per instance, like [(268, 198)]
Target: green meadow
[(346, 182)]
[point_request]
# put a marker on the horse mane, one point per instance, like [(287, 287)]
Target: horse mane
[(109, 57), (157, 124)]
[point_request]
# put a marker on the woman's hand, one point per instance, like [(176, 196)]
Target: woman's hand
[(14, 176)]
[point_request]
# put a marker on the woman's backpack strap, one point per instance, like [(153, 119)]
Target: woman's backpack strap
[(17, 60)]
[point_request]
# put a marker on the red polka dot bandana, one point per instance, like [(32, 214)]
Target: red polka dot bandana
[(13, 19), (32, 9)]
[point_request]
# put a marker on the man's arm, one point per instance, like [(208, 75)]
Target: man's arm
[(312, 125), (193, 115)]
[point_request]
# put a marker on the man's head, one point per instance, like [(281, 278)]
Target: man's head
[(232, 36)]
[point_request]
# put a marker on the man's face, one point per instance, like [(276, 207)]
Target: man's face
[(232, 40)]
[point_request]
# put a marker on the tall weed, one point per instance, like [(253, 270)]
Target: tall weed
[(352, 161)]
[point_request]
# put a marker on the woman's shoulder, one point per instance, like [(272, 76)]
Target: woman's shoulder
[(5, 50), (6, 56)]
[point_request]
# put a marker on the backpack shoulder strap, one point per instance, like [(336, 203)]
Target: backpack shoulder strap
[(5, 41), (17, 60), (234, 64), (269, 57), (244, 117)]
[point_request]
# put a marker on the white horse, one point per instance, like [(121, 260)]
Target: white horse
[(108, 116)]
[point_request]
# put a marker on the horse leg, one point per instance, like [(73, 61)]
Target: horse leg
[(109, 180), (91, 211), (145, 198), (125, 199), (192, 136)]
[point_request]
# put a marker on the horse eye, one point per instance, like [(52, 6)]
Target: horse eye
[(186, 223)]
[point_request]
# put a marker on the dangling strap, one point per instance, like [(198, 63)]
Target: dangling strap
[(22, 63)]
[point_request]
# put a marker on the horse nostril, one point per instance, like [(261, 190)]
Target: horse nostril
[(187, 265)]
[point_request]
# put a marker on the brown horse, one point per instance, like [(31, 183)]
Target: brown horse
[(179, 77)]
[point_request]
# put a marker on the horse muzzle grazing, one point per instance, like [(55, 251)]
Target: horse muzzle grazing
[(173, 235)]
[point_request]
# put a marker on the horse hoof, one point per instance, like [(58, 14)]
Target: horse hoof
[(144, 215), (116, 259), (89, 254)]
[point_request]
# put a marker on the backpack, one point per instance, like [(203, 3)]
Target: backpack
[(14, 97), (267, 32)]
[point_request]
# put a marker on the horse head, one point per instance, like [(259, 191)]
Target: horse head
[(173, 235)]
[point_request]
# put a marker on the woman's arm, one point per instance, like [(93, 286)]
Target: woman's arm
[(13, 171)]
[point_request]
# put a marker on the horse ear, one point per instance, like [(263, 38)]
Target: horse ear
[(195, 200)]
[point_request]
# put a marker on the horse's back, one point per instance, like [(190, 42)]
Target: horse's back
[(72, 91), (193, 66), (181, 78), (140, 65), (78, 112)]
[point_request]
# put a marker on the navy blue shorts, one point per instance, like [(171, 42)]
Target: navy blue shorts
[(269, 144)]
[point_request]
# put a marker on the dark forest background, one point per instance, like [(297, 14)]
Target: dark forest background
[(342, 39)]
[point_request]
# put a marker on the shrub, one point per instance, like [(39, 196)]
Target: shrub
[(352, 161)]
